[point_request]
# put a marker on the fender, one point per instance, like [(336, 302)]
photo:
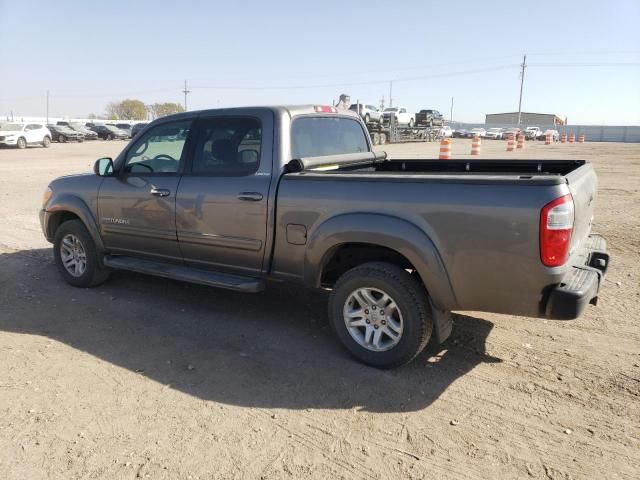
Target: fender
[(66, 202), (391, 232)]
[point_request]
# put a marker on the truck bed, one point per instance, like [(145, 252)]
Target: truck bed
[(481, 215)]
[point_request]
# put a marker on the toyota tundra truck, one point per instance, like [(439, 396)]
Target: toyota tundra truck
[(239, 198)]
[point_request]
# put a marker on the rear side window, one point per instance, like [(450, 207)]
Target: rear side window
[(228, 146), (320, 136)]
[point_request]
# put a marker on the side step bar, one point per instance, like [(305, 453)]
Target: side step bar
[(185, 274)]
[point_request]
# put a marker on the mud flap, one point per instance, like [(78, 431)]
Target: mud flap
[(442, 323)]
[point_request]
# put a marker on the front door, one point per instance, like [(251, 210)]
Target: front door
[(137, 206), (222, 204)]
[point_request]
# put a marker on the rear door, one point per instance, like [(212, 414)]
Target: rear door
[(137, 206), (222, 204)]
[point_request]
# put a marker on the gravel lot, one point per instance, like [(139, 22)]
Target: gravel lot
[(143, 377)]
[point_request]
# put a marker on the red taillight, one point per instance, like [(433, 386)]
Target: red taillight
[(556, 226), (325, 109)]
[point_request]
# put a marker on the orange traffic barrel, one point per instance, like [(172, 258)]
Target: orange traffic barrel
[(548, 139), (572, 137), (520, 141), (445, 149), (563, 138), (511, 144), (582, 138), (475, 145)]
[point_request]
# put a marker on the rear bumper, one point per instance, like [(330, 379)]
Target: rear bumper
[(580, 286)]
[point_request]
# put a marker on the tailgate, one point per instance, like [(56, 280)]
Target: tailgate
[(583, 185)]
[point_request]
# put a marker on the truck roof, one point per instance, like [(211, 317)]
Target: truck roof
[(291, 110)]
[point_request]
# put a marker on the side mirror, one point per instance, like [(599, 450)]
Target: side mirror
[(103, 167)]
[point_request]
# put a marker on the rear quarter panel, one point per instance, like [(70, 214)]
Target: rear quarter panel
[(486, 233)]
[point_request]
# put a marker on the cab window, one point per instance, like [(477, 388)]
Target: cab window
[(159, 150), (228, 146), (320, 136)]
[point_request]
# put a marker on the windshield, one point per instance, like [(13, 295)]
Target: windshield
[(11, 127), (391, 109), (495, 130), (112, 128)]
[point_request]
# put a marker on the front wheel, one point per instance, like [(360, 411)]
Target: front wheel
[(410, 122), (22, 143), (46, 142), (76, 255), (62, 139), (111, 136), (381, 314)]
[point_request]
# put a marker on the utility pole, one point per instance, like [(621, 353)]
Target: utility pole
[(47, 107), (451, 112), (523, 65), (185, 91), (390, 92)]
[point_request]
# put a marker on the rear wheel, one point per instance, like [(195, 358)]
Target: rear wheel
[(76, 255), (383, 139), (410, 122), (381, 314), (367, 118), (375, 138), (21, 143), (110, 136), (46, 142)]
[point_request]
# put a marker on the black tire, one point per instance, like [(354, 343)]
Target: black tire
[(21, 143), (367, 118), (383, 139), (410, 297), (110, 136), (46, 142), (410, 122), (62, 139), (94, 274), (375, 138)]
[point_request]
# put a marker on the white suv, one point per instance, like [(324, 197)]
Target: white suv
[(22, 134)]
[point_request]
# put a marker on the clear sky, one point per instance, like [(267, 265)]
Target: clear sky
[(584, 56)]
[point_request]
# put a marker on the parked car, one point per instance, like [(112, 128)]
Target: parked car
[(515, 131), (531, 133), (137, 128), (446, 131), (20, 135), (460, 133), (240, 213), (78, 127), (369, 113), (109, 132), (62, 134), (429, 118), (494, 133), (125, 127), (555, 135), (477, 132), (403, 117)]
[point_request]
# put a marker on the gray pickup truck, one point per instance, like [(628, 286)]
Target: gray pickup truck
[(235, 198)]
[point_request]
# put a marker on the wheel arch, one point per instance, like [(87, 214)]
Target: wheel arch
[(396, 240), (68, 207)]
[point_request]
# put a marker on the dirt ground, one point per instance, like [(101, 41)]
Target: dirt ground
[(149, 378)]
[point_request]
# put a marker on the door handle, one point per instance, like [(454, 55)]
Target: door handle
[(250, 196), (160, 192)]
